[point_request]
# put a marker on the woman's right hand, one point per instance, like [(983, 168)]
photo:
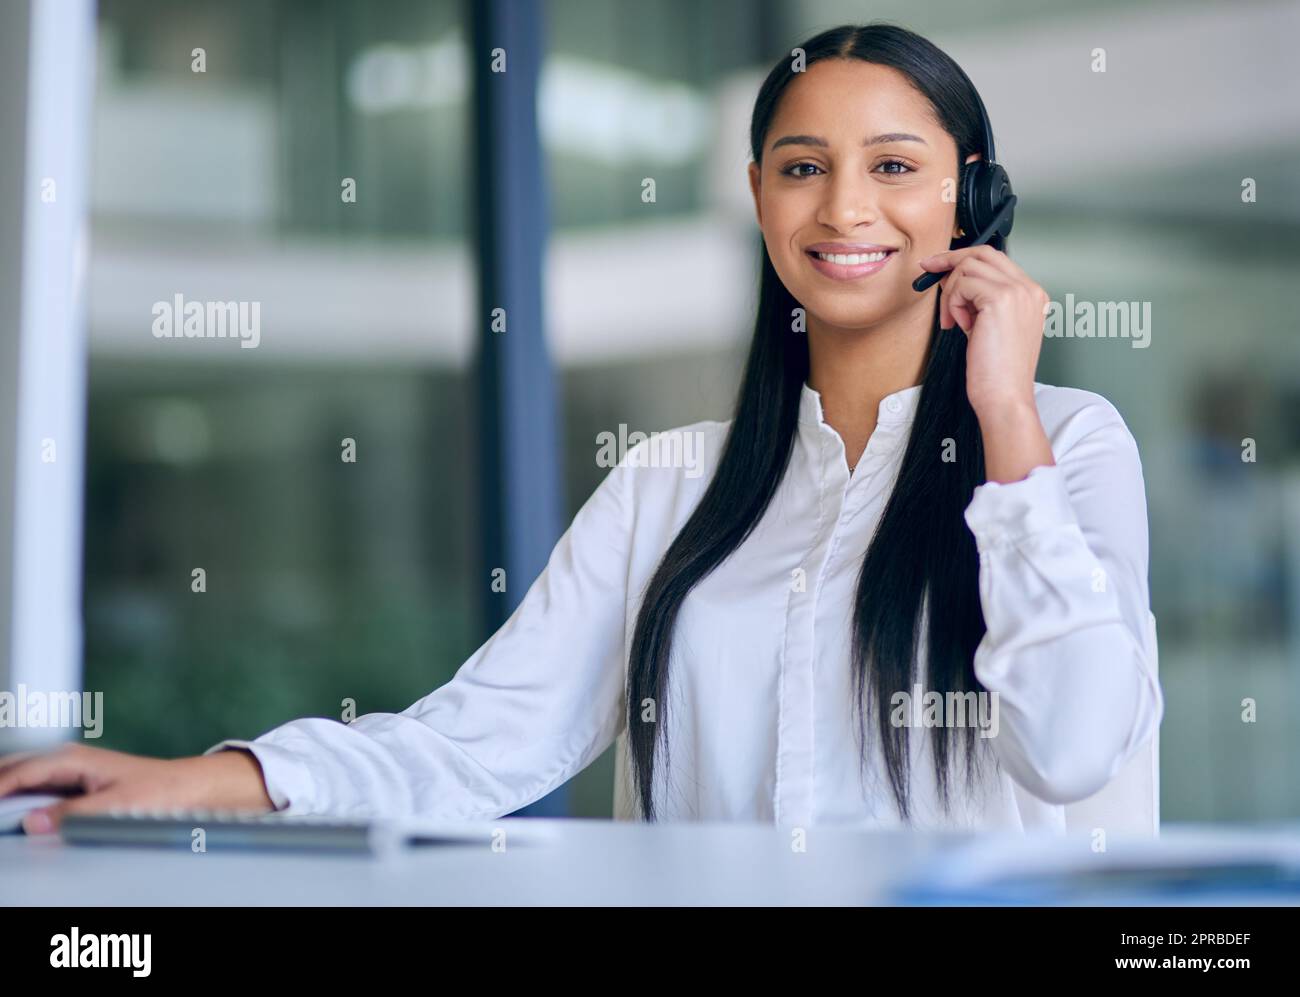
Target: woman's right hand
[(226, 780)]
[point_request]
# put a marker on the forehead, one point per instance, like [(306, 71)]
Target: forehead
[(845, 100)]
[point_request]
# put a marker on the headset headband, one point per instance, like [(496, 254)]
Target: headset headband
[(989, 152)]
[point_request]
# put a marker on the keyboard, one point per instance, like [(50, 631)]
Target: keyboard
[(207, 830)]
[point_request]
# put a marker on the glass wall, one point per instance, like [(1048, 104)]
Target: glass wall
[(307, 160)]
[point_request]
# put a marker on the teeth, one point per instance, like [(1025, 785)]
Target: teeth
[(852, 259)]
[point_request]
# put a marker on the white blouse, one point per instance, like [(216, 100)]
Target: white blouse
[(761, 723)]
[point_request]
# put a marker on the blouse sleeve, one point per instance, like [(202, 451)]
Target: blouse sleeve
[(539, 701), (1063, 585)]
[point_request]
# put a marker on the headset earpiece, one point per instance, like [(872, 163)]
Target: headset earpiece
[(982, 188)]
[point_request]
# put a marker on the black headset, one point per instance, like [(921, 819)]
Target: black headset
[(985, 203)]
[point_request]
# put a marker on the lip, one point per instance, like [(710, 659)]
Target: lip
[(844, 271)]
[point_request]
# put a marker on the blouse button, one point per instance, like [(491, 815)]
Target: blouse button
[(893, 404)]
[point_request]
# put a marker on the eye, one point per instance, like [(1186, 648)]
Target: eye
[(789, 171), (897, 162)]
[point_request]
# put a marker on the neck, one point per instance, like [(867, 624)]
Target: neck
[(854, 369)]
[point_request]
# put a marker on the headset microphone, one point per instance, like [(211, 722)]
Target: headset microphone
[(985, 203), (931, 277)]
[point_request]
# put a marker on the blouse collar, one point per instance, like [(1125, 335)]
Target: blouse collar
[(895, 409)]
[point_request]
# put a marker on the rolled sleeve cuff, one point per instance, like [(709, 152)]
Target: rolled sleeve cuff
[(1001, 513), (288, 781)]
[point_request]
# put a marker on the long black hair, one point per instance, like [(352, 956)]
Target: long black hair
[(922, 563)]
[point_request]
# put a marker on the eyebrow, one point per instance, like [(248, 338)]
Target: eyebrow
[(822, 143)]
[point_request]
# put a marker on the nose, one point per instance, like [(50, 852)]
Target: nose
[(850, 201)]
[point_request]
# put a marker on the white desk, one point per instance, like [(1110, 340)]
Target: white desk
[(582, 862)]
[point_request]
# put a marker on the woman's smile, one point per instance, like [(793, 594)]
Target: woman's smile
[(849, 264)]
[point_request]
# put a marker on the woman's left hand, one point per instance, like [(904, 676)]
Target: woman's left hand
[(1000, 309)]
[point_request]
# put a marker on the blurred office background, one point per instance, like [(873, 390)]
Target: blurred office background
[(325, 585)]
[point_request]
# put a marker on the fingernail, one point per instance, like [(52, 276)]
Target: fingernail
[(37, 822)]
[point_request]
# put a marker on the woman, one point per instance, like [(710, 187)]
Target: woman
[(897, 511)]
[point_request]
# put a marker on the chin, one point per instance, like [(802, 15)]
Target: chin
[(843, 313)]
